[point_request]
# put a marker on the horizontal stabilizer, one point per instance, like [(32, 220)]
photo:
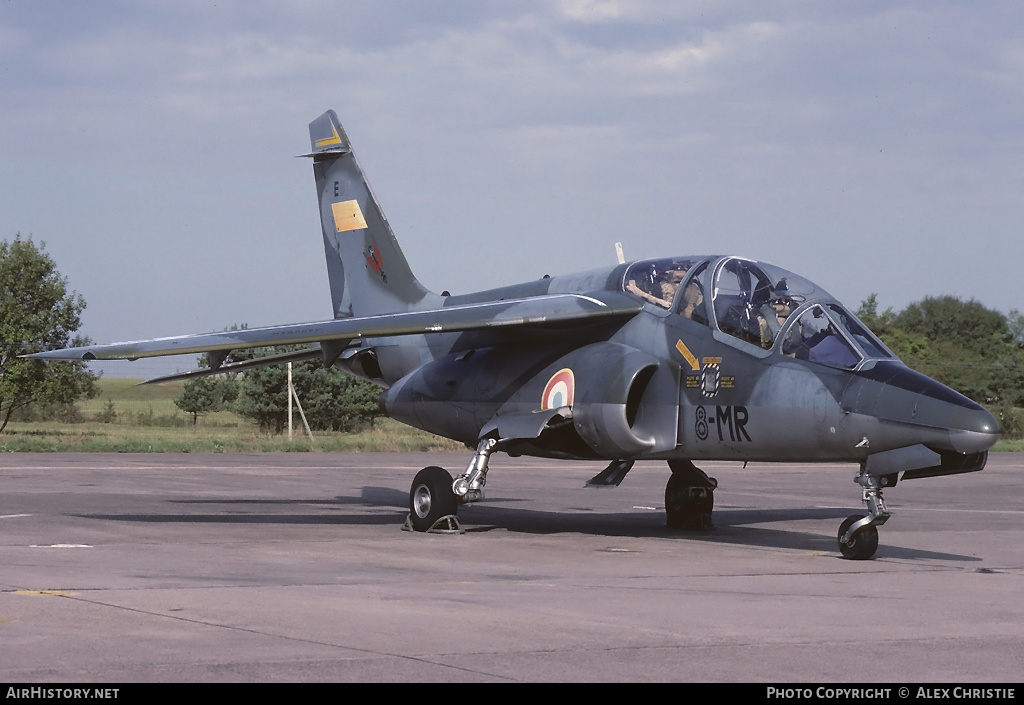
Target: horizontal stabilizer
[(296, 356)]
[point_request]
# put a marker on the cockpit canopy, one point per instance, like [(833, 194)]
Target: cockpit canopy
[(759, 304)]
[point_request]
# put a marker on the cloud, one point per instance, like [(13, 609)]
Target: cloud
[(782, 131)]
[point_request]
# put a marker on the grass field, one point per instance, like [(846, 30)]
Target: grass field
[(147, 421), (129, 395)]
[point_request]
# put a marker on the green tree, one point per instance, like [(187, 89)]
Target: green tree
[(972, 348), (868, 313), (204, 395), (37, 313), (976, 350), (967, 325), (331, 399), (337, 401), (109, 413), (1016, 324)]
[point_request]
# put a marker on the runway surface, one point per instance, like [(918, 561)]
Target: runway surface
[(293, 567)]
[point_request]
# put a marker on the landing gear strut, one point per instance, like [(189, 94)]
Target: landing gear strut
[(689, 496), (435, 497), (858, 534), (469, 486)]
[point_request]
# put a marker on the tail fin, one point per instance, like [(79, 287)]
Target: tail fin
[(368, 273)]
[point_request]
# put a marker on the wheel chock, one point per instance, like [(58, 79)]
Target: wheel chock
[(448, 524)]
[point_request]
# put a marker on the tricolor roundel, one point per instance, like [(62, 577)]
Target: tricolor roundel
[(559, 390)]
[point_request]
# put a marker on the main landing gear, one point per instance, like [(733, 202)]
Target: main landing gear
[(689, 496), (435, 497), (858, 534)]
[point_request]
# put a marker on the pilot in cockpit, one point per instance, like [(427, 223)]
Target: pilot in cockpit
[(773, 315), (667, 284), (693, 297)]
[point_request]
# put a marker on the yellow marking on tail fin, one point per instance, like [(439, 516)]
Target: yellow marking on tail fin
[(347, 216), (335, 138)]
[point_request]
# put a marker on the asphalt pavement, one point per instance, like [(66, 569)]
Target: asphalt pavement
[(294, 567)]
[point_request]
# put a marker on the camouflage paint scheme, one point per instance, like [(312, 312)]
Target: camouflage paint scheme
[(683, 358)]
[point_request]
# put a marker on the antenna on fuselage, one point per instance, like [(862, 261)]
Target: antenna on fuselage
[(618, 253)]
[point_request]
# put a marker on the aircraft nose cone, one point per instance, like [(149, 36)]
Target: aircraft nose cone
[(973, 430), (930, 412)]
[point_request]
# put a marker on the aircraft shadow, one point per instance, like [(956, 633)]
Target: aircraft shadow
[(383, 497), (298, 519), (732, 526), (377, 496)]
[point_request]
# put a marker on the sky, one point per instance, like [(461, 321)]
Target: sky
[(871, 147)]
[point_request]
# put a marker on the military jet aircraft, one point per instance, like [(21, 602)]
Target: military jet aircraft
[(680, 359)]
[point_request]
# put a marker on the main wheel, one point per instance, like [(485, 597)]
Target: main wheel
[(863, 544), (431, 497), (688, 506)]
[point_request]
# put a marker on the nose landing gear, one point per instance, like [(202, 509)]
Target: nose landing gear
[(858, 534)]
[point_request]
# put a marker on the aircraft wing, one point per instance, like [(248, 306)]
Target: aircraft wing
[(534, 311)]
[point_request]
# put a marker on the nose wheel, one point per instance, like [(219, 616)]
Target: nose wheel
[(863, 542)]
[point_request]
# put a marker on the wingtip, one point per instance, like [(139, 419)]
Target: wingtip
[(73, 354)]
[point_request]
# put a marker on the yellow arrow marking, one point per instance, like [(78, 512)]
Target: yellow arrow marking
[(685, 352)]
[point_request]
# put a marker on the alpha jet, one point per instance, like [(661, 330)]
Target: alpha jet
[(680, 359)]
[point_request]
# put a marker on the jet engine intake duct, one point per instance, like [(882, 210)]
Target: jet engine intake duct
[(613, 385)]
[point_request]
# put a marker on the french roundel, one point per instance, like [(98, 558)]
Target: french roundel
[(559, 390)]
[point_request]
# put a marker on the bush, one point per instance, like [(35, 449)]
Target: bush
[(1010, 421), (109, 414)]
